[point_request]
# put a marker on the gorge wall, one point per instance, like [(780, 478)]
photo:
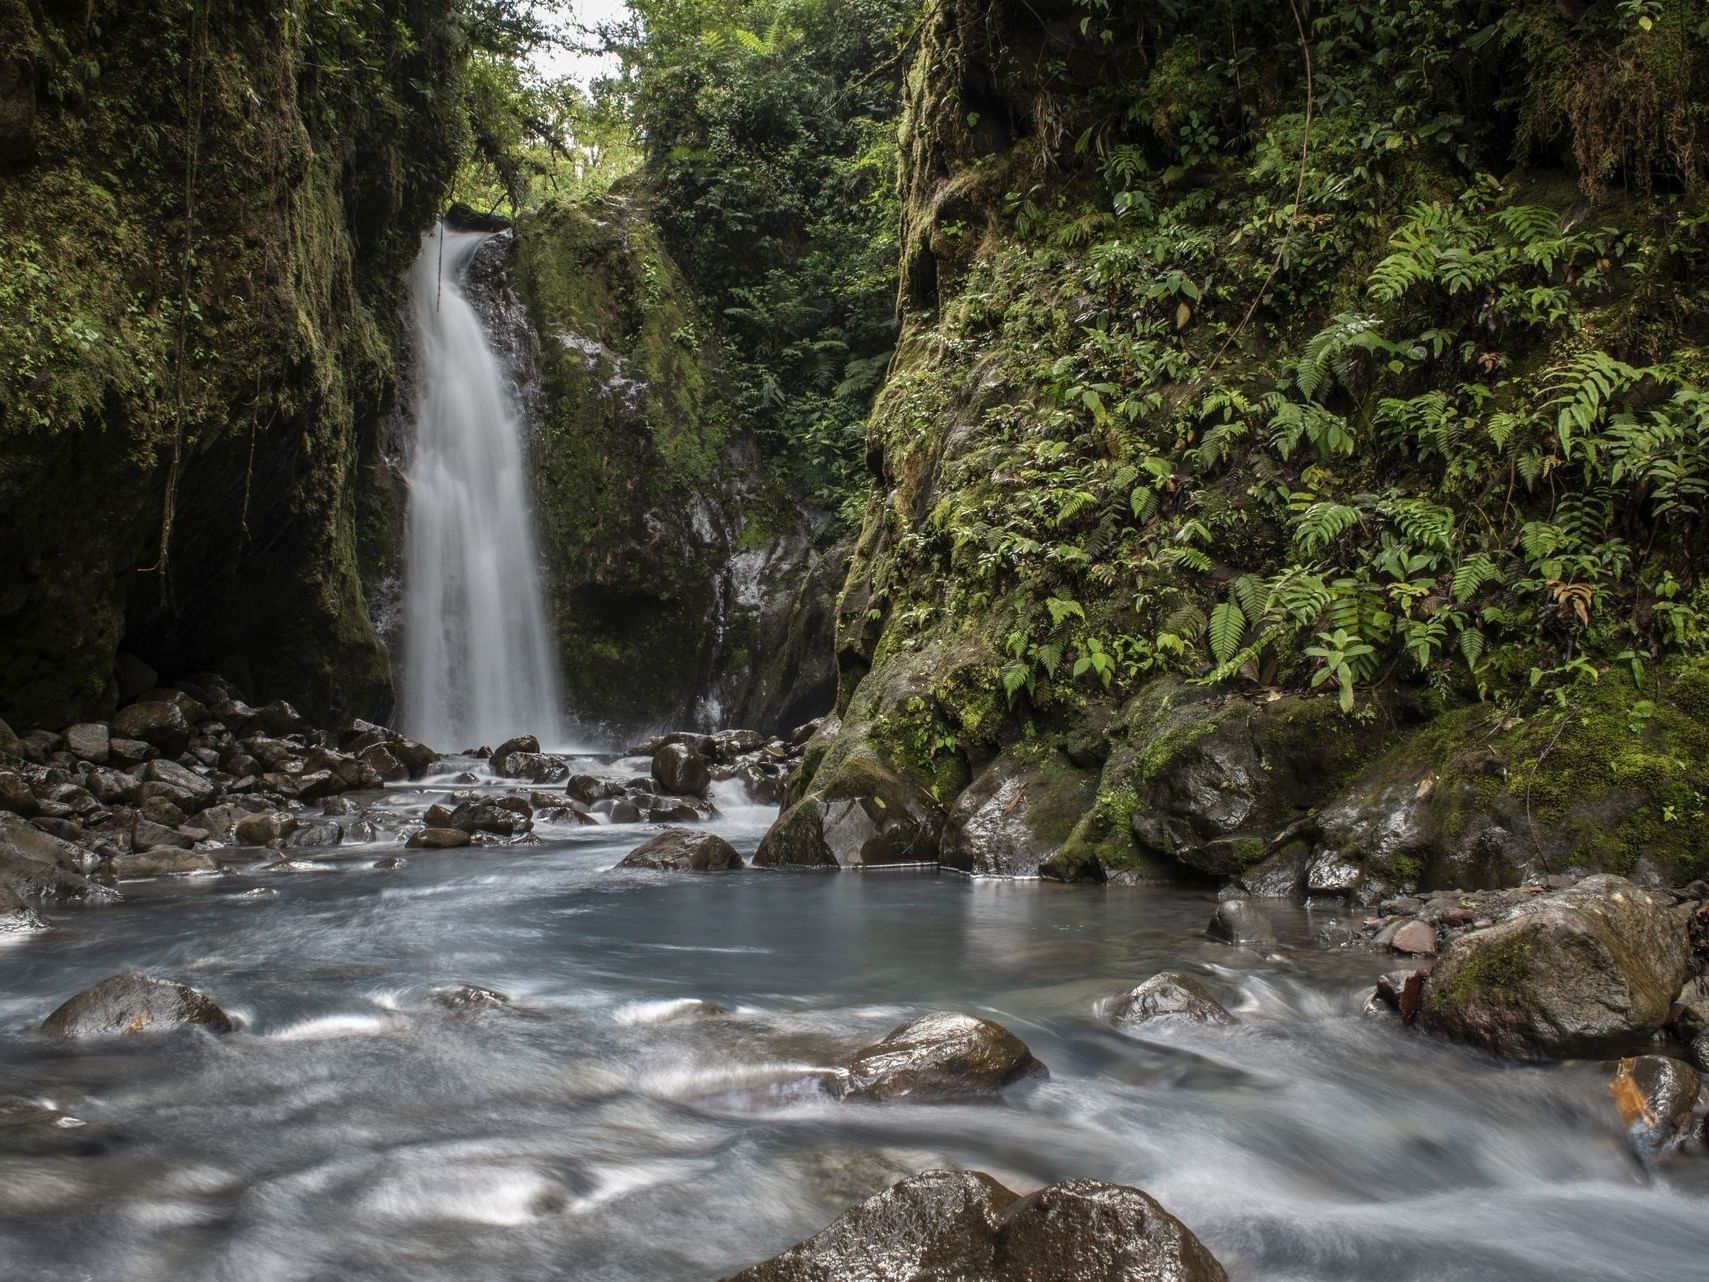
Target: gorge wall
[(206, 210), (1193, 423)]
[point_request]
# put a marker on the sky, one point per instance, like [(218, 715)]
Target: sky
[(590, 13)]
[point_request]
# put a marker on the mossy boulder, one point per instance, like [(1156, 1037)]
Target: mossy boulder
[(863, 815), (1590, 971), (1015, 817)]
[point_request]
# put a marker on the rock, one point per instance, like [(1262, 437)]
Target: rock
[(319, 834), (10, 744), (525, 743), (188, 782), (728, 745), (1415, 938), (1016, 815), (1584, 971), (684, 850), (161, 811), (417, 758), (146, 833), (16, 797), (36, 865), (1655, 1096), (159, 723), (963, 1226), (110, 786), (311, 785), (130, 752), (1401, 991), (89, 741), (380, 759), (590, 788), (264, 827), (865, 815), (536, 767), (681, 770), (17, 917), (1168, 997), (438, 839), (132, 676), (940, 1055), (280, 718), (161, 861), (1240, 921), (763, 787), (134, 1003), (469, 997), (490, 816)]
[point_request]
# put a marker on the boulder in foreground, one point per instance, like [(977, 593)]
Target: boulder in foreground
[(1585, 971), (684, 850), (963, 1226), (941, 1055), (134, 1003)]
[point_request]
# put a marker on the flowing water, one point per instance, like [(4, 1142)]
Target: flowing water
[(610, 1127), (478, 659)]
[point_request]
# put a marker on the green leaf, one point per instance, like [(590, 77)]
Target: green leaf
[(1228, 623)]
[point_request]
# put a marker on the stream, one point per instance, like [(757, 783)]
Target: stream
[(611, 1126)]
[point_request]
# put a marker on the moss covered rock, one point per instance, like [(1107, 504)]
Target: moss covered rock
[(1014, 818), (862, 815)]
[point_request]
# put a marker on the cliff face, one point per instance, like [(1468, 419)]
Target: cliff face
[(686, 589), (1193, 424), (205, 211)]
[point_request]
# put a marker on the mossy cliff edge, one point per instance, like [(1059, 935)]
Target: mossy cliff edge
[(1294, 446), (206, 209)]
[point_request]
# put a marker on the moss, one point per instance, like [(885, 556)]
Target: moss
[(1487, 972)]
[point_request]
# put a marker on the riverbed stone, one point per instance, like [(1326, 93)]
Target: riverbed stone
[(490, 816), (264, 827), (681, 770), (16, 795), (1415, 938), (1240, 921), (131, 1003), (1655, 1096), (536, 767), (1585, 971), (684, 850), (963, 1226), (469, 998), (439, 839), (521, 743), (17, 917), (1168, 997), (865, 815), (316, 834), (159, 723), (939, 1055), (1016, 815), (89, 741), (36, 865), (161, 861)]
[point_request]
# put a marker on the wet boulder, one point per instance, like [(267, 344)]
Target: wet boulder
[(134, 1003), (130, 752), (17, 917), (681, 770), (521, 743), (468, 998), (1169, 997), (684, 850), (949, 1226), (160, 861), (1585, 971), (438, 839), (264, 827), (1016, 815), (159, 723), (864, 815), (940, 1055), (1242, 922), (490, 816), (89, 741), (1655, 1096), (536, 767), (16, 796), (384, 763), (37, 865), (10, 744), (186, 782), (1415, 938), (588, 789), (317, 834)]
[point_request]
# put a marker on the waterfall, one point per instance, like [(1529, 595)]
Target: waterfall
[(478, 658)]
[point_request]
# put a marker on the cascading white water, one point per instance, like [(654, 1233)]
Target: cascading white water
[(478, 662)]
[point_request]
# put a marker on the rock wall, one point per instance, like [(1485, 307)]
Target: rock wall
[(687, 590), (205, 211)]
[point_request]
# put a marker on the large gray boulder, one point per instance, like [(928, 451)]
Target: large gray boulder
[(683, 850), (864, 815), (130, 1003), (1584, 971), (940, 1055), (963, 1226), (681, 770), (1015, 816), (36, 865), (160, 723)]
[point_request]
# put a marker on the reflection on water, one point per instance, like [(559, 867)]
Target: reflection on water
[(615, 1126)]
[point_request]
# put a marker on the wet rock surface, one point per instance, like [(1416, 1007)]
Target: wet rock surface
[(940, 1055), (1015, 816), (1169, 997), (865, 816), (684, 850), (1656, 1098), (1242, 922), (131, 1003), (964, 1225)]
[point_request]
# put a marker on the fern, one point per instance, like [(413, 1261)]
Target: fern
[(1228, 623), (1472, 574), (1320, 524)]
